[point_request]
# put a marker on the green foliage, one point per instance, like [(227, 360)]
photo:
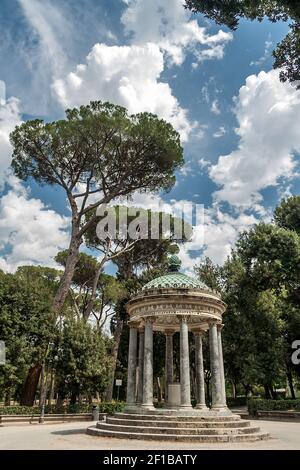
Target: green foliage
[(27, 324), (80, 360), (208, 273), (120, 153), (255, 405), (287, 214), (229, 12), (76, 408), (238, 401)]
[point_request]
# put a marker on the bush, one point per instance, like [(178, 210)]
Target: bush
[(255, 405), (52, 409), (238, 401)]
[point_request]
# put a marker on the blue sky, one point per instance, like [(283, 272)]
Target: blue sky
[(237, 121)]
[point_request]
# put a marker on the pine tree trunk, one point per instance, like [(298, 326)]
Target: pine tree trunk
[(268, 394), (59, 402), (117, 338), (42, 386), (289, 376), (91, 302), (234, 389), (30, 386), (7, 397), (67, 277), (51, 388)]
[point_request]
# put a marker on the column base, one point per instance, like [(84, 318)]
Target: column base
[(220, 409), (147, 406), (186, 407), (201, 407)]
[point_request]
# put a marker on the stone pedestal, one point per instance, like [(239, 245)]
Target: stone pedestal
[(174, 396)]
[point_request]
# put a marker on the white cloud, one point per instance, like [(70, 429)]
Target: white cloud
[(204, 164), (30, 233), (215, 107), (220, 132), (221, 231), (51, 28), (267, 53), (9, 118), (268, 113), (127, 75), (169, 25), (214, 232)]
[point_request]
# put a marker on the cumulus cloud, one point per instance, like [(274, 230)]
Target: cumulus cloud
[(214, 231), (169, 25), (127, 75), (9, 118), (268, 115), (30, 233), (221, 231)]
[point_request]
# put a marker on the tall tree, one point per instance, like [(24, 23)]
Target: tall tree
[(97, 150), (81, 360), (84, 292), (27, 325), (229, 12)]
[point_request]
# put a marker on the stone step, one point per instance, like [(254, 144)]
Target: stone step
[(177, 431), (250, 437), (177, 424), (163, 417)]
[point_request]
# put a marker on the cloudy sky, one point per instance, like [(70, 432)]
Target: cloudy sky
[(239, 125)]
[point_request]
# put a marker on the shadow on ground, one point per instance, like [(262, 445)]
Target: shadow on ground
[(68, 432)]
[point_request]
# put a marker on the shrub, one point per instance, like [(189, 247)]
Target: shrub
[(255, 405), (238, 401), (52, 409)]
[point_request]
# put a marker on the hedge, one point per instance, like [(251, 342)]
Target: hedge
[(255, 405), (52, 409)]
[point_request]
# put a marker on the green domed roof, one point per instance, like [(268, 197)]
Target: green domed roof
[(175, 279)]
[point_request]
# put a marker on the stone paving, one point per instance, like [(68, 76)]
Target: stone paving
[(72, 436)]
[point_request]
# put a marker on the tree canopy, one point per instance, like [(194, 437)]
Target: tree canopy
[(229, 12), (98, 151)]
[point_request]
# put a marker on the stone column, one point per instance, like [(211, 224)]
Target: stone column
[(132, 363), (216, 388), (200, 383), (140, 367), (148, 365), (185, 385), (222, 374), (169, 361)]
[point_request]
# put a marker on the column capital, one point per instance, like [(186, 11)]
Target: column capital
[(220, 326), (198, 332), (133, 324), (150, 319), (183, 318), (169, 332)]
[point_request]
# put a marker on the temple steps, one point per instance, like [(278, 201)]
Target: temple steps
[(177, 431), (178, 424), (177, 428), (155, 416), (175, 437)]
